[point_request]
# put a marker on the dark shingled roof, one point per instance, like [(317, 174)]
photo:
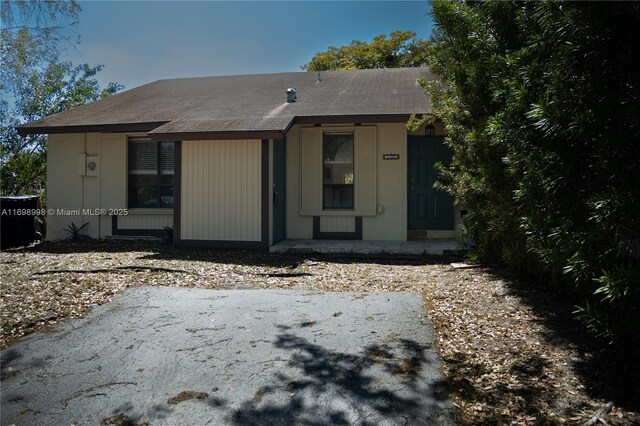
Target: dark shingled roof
[(247, 105)]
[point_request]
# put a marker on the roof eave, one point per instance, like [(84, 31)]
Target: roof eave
[(28, 129), (216, 135), (354, 118), (39, 129)]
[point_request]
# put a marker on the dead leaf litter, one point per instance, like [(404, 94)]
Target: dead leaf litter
[(502, 355)]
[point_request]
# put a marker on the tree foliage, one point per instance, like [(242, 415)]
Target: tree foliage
[(35, 84), (541, 101), (34, 31), (401, 49), (55, 88)]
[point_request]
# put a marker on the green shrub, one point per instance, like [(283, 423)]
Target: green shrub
[(541, 101)]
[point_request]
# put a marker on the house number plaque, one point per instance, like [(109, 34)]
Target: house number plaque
[(390, 156)]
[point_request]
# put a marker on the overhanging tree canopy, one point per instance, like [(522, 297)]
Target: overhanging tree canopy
[(35, 84), (401, 49)]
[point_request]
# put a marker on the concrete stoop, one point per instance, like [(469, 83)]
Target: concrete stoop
[(418, 247)]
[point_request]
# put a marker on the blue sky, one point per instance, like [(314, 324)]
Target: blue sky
[(143, 41)]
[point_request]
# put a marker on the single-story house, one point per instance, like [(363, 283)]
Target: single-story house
[(247, 161)]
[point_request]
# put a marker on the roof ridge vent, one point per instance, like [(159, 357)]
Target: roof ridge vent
[(291, 94)]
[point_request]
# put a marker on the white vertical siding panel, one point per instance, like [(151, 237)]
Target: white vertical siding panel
[(196, 188), (252, 188), (185, 220), (240, 215), (218, 193), (211, 191), (246, 190), (189, 166), (255, 186), (224, 200), (228, 202), (221, 190), (237, 195), (200, 195), (202, 188), (194, 191), (193, 167), (337, 224), (184, 184), (242, 212), (233, 212), (238, 219), (192, 180), (220, 208)]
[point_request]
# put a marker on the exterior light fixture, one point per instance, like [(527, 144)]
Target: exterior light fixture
[(429, 130)]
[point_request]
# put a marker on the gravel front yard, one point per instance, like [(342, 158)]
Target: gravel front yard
[(511, 354)]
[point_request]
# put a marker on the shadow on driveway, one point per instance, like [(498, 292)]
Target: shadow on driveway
[(192, 356), (354, 379)]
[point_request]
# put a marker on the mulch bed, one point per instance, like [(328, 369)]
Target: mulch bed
[(511, 352)]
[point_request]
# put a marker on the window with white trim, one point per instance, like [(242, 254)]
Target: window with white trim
[(337, 174), (150, 166)]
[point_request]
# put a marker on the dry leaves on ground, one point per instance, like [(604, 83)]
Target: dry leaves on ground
[(511, 355), (51, 282), (515, 355)]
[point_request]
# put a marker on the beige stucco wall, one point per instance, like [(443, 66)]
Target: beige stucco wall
[(310, 170), (380, 185), (382, 202), (390, 223), (72, 191), (64, 182), (221, 186), (298, 227), (220, 190)]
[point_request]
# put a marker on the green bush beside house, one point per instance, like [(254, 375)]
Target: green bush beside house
[(541, 101)]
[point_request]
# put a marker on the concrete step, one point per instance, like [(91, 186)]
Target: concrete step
[(424, 247)]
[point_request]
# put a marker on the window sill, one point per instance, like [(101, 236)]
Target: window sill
[(149, 211)]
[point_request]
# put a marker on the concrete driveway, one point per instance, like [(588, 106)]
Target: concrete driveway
[(177, 356)]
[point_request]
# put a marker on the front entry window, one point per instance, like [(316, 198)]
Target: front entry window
[(337, 153), (150, 173)]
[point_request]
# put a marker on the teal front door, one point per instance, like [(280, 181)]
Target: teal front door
[(429, 208), (279, 191)]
